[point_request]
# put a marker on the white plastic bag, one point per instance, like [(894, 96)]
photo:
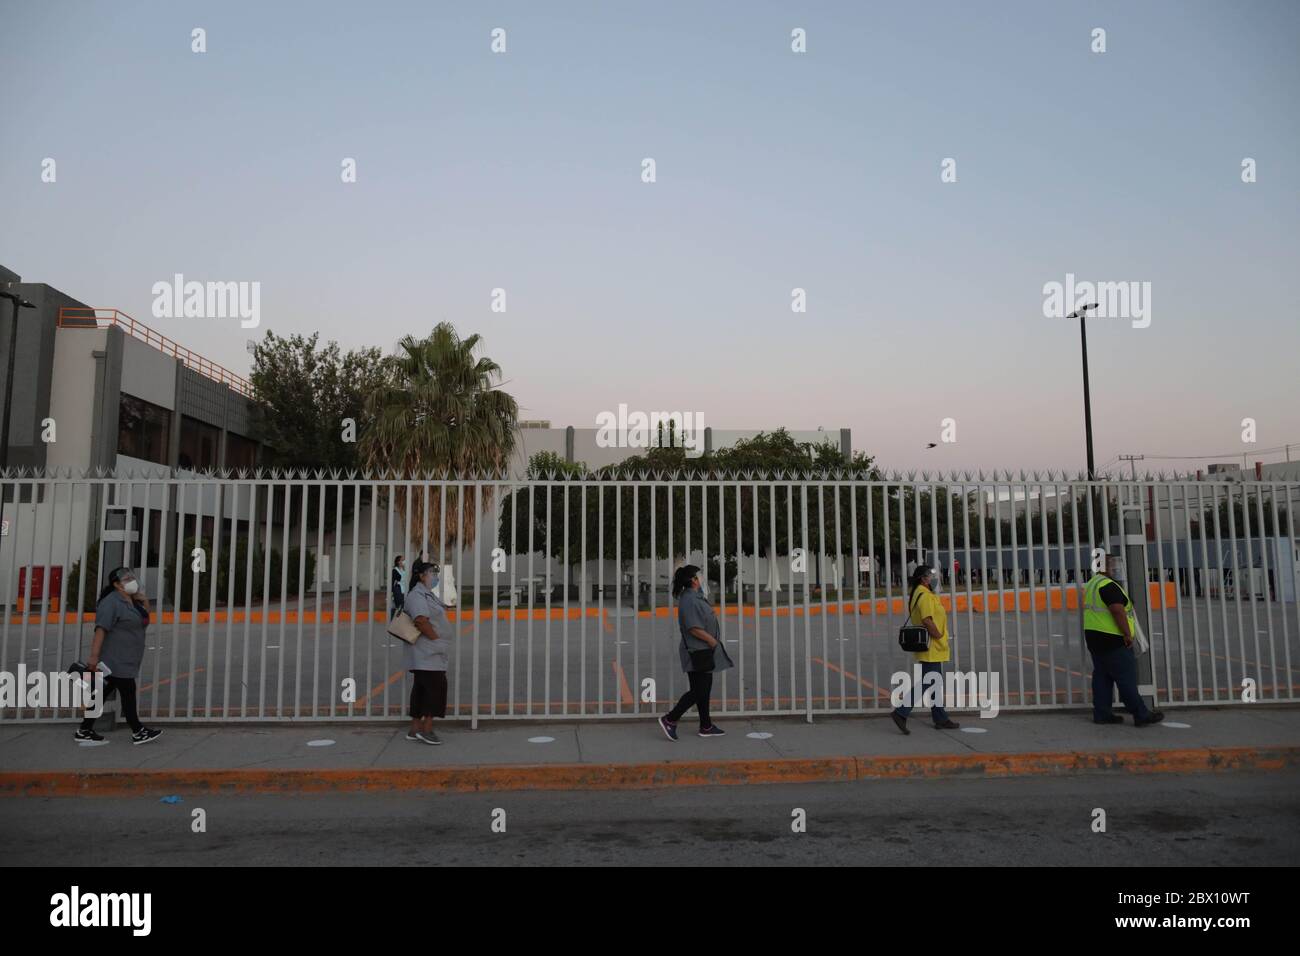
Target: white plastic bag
[(1140, 643)]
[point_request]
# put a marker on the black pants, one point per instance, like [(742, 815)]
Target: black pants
[(698, 696), (125, 689), (428, 694)]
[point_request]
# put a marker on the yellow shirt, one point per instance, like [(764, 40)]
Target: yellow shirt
[(928, 605)]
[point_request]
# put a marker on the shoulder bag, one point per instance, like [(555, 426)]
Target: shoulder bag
[(914, 638)]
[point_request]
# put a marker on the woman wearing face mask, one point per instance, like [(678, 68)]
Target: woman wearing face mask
[(701, 651), (927, 611), (426, 659), (121, 617)]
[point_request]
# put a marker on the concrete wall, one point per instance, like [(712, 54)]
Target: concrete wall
[(33, 368), (72, 404), (148, 373)]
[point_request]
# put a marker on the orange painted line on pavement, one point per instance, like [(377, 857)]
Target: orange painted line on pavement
[(1171, 655), (1046, 664), (393, 678), (862, 680), (624, 692), (168, 680)]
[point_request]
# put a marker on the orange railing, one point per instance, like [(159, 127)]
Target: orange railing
[(74, 317)]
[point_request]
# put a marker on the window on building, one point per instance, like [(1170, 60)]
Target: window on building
[(200, 445), (143, 429), (241, 452)]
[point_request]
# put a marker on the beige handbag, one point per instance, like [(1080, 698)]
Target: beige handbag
[(403, 628)]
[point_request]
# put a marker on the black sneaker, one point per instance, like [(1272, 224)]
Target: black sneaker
[(948, 724), (428, 737), (1109, 719), (86, 735), (1152, 718), (900, 721), (713, 730), (144, 735), (669, 727)]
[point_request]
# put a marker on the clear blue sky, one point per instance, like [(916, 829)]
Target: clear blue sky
[(775, 170)]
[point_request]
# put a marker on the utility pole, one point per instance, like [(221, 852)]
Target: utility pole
[(1131, 459), (19, 302), (1080, 314)]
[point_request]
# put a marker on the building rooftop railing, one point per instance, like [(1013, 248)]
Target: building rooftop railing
[(78, 317)]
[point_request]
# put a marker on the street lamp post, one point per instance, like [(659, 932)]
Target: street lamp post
[(1087, 394), (19, 303)]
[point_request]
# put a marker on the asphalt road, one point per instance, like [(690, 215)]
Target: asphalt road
[(1241, 818), (553, 667)]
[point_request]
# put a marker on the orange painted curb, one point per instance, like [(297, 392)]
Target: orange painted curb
[(108, 783), (1160, 597)]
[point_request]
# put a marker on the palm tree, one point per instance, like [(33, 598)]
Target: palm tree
[(438, 412)]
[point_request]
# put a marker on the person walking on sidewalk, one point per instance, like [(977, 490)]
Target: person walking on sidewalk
[(399, 582), (702, 653), (927, 611), (121, 617), (1109, 624), (426, 659)]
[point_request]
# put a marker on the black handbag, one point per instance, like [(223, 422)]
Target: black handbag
[(913, 638)]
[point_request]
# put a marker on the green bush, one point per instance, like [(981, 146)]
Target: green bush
[(74, 578), (222, 570)]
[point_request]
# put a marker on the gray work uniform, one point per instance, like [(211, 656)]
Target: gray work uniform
[(124, 626), (427, 654), (694, 610)]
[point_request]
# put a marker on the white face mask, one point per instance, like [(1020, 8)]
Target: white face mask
[(131, 587), (704, 587)]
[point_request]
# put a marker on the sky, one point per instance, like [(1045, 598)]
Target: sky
[(774, 171)]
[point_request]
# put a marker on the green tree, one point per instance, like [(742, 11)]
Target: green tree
[(624, 514), (1233, 519), (438, 409), (303, 394)]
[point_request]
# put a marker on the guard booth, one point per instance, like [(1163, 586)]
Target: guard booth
[(33, 590)]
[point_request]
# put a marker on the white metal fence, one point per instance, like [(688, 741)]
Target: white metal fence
[(271, 594)]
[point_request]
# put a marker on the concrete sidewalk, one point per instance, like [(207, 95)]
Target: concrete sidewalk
[(43, 759)]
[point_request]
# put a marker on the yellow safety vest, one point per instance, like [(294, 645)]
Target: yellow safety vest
[(1097, 616)]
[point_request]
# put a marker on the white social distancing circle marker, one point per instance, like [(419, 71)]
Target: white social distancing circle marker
[(541, 740), (1176, 725), (320, 743), (974, 730), (759, 735)]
